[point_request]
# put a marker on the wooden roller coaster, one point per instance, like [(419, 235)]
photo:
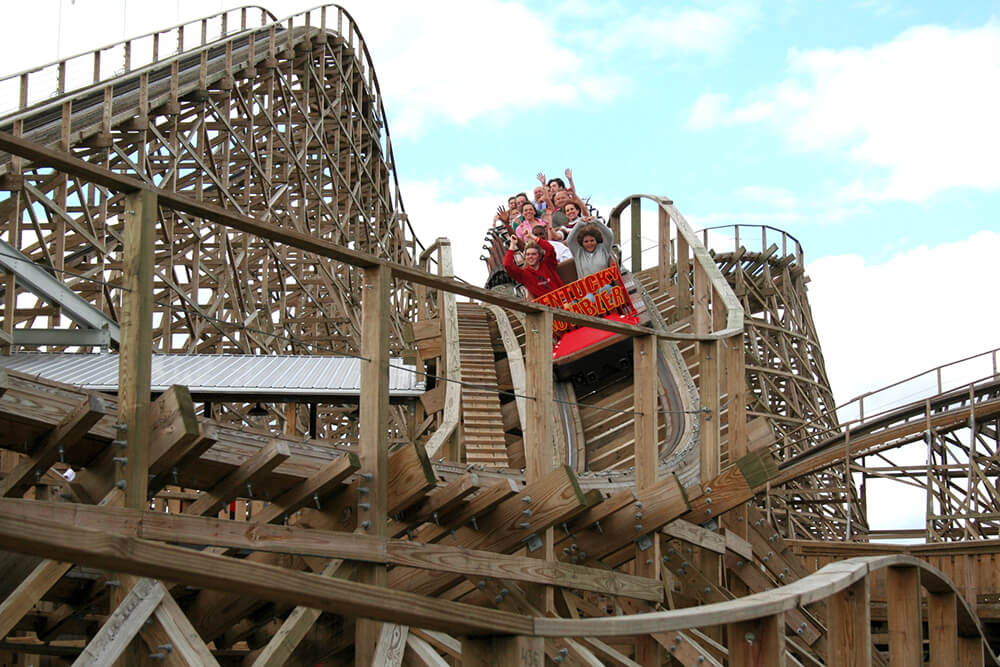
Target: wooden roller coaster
[(689, 495)]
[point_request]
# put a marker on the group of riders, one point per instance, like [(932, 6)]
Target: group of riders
[(552, 227)]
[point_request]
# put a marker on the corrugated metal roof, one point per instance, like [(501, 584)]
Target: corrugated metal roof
[(222, 375)]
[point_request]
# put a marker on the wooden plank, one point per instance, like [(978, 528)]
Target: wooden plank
[(123, 624), (696, 535), (646, 418), (210, 502), (445, 499), (294, 628), (942, 627), (552, 499), (187, 647), (849, 635), (73, 427), (266, 582), (481, 504), (508, 651), (905, 641), (758, 642), (654, 508), (422, 653), (538, 455), (135, 358), (442, 642), (317, 486), (365, 548), (373, 445), (737, 544), (391, 645), (29, 592)]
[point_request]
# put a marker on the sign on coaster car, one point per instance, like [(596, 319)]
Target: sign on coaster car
[(600, 294)]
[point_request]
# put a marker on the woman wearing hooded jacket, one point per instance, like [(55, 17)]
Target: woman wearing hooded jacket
[(591, 247)]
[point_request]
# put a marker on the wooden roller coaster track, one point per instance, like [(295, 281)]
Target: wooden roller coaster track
[(239, 196)]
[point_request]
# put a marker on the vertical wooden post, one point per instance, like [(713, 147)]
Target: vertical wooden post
[(683, 277), (538, 453), (512, 651), (942, 627), (905, 642), (970, 652), (635, 208), (708, 374), (663, 247), (135, 360), (134, 368), (849, 635), (645, 384), (373, 440), (757, 643), (708, 390), (736, 388)]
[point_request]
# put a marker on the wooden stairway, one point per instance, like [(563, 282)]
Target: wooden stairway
[(482, 431)]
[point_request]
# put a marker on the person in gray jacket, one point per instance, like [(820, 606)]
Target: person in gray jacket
[(591, 247)]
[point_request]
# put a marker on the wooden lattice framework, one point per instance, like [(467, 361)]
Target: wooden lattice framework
[(788, 392)]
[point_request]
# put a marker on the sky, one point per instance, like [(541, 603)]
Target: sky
[(868, 130)]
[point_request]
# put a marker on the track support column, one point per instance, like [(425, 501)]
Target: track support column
[(373, 441)]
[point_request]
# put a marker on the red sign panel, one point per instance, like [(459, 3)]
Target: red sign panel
[(598, 294)]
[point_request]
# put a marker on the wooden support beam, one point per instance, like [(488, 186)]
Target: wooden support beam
[(538, 454), (135, 359), (758, 642), (391, 645), (43, 577), (942, 627), (266, 582), (293, 629), (305, 492), (73, 427), (736, 388), (267, 459), (29, 592), (646, 421), (123, 624), (373, 447), (905, 641), (971, 652), (423, 654), (553, 499), (495, 650), (709, 390), (173, 627), (481, 504), (646, 418), (849, 634), (655, 506)]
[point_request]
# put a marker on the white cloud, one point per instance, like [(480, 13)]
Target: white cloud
[(879, 323), (688, 30), (463, 220), (923, 107), (708, 111), (481, 174), (780, 197), (460, 60), (882, 323)]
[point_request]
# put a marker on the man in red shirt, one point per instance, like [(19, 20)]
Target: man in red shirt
[(539, 274)]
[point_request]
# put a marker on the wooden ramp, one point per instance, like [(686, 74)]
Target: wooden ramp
[(482, 431)]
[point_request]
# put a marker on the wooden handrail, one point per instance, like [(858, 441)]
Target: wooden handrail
[(733, 311)]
